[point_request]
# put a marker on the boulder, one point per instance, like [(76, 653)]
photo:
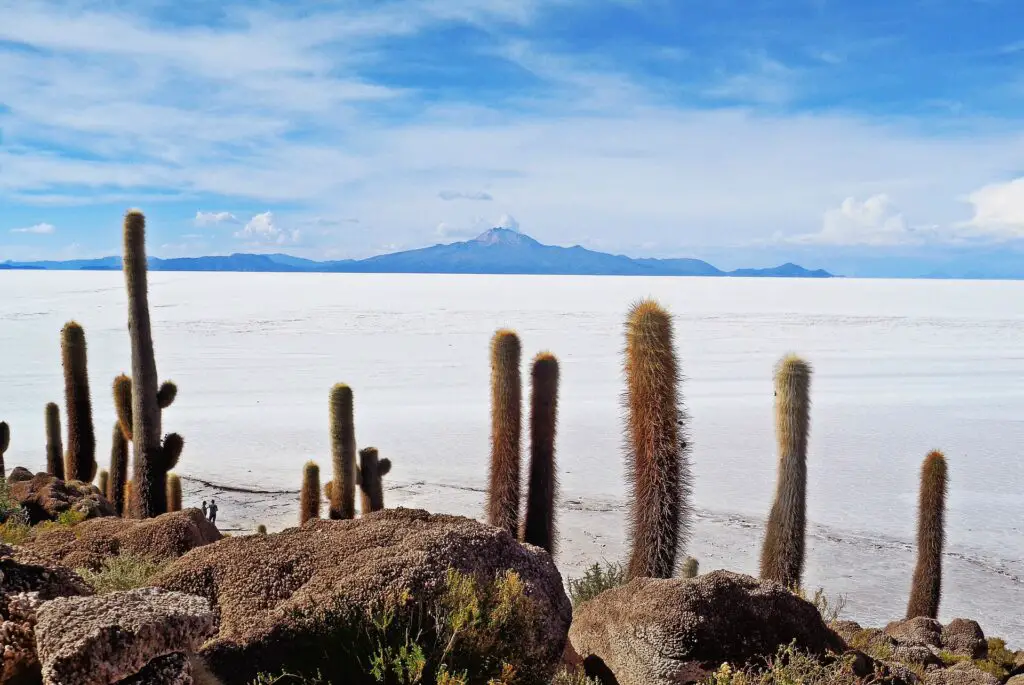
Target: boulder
[(26, 580), (104, 639), (1016, 680), (165, 537), (286, 601), (45, 497), (172, 669), (964, 637), (963, 673), (652, 631), (916, 631)]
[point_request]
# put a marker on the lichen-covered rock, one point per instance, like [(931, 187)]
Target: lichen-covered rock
[(1015, 680), (964, 637), (45, 497), (107, 638), (654, 631), (165, 537), (916, 631), (172, 669), (286, 601), (963, 673)]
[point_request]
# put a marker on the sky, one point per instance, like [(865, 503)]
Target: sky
[(869, 137)]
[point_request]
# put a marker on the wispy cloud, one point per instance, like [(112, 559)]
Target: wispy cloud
[(461, 195), (37, 229), (211, 218)]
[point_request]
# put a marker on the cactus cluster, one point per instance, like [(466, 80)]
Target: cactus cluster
[(80, 458), (153, 457), (5, 442), (926, 590)]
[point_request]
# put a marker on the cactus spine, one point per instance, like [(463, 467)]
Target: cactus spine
[(54, 442), (5, 442), (118, 469), (539, 528), (80, 458), (343, 453), (309, 496), (103, 482), (506, 425), (782, 556), (370, 475), (658, 467), (926, 590), (173, 492), (153, 457)]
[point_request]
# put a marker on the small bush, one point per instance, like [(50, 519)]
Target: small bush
[(788, 667), (285, 678), (596, 580), (15, 531), (123, 572), (564, 677)]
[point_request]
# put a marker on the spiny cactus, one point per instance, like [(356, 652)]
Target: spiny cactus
[(80, 458), (118, 469), (506, 426), (343, 453), (657, 463), (173, 492), (261, 529), (131, 504), (54, 442), (370, 476), (690, 568), (153, 457), (309, 496), (103, 482), (123, 404), (782, 557), (539, 528), (5, 442), (926, 590)]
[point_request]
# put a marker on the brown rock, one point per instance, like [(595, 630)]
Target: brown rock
[(45, 497), (1016, 680), (172, 669), (848, 630), (963, 673), (107, 638), (652, 631), (964, 637), (287, 600), (917, 654), (167, 536), (916, 631)]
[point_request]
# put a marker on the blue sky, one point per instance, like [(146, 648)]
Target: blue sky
[(836, 133)]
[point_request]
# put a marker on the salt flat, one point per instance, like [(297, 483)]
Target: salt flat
[(901, 367)]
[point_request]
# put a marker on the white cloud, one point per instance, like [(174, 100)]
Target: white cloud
[(37, 229), (507, 221), (875, 221), (262, 229), (461, 195), (208, 218), (998, 211)]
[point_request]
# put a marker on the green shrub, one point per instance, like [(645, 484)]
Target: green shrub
[(789, 667), (285, 678), (15, 531), (596, 580), (123, 572)]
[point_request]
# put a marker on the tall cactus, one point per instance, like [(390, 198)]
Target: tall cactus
[(80, 458), (5, 442), (153, 458), (370, 476), (118, 469), (123, 404), (782, 556), (343, 453), (309, 496), (54, 442), (173, 492), (657, 463), (926, 590), (539, 528), (506, 426), (103, 482)]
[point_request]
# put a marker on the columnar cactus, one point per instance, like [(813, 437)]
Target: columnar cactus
[(118, 470), (926, 590), (5, 442), (539, 528), (123, 404), (54, 442), (506, 425), (80, 458), (691, 568), (261, 529), (782, 557), (103, 482), (370, 475), (153, 457), (343, 453), (657, 463), (173, 492), (309, 496)]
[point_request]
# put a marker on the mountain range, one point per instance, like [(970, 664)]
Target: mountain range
[(497, 251)]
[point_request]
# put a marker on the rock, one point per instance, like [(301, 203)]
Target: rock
[(172, 669), (963, 673), (165, 537), (917, 654), (26, 580), (45, 497), (1016, 680), (18, 474), (107, 638), (848, 630), (916, 631), (653, 630), (286, 600), (964, 637)]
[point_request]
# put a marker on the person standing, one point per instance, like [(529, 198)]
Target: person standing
[(206, 512), (213, 511)]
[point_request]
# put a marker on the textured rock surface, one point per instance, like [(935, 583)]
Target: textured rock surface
[(45, 497), (103, 639), (25, 581), (653, 631), (916, 631), (167, 536), (964, 637), (172, 669), (279, 596), (964, 673)]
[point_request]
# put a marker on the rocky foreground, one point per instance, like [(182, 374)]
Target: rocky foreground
[(440, 595)]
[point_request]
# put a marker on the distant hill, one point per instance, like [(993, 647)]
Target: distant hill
[(498, 251)]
